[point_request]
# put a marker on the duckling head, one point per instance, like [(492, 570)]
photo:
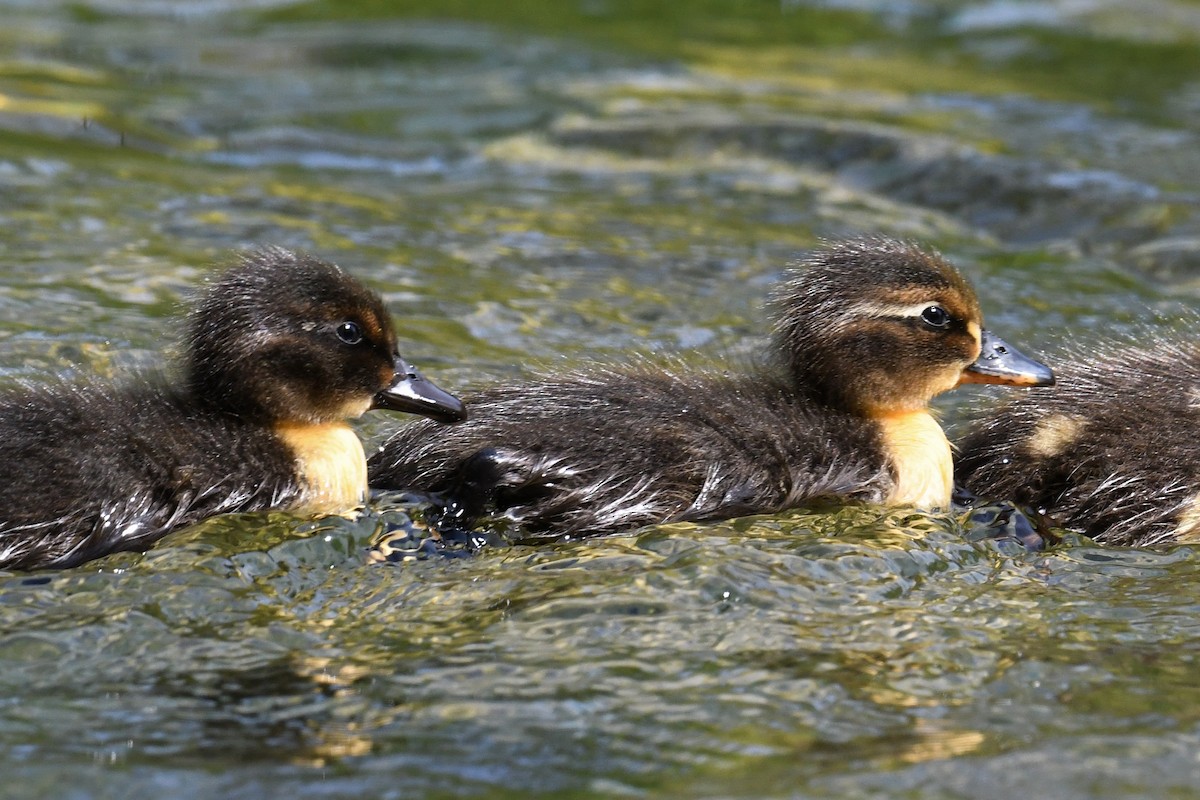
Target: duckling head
[(878, 327), (287, 338)]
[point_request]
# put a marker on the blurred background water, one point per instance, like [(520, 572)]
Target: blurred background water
[(540, 185)]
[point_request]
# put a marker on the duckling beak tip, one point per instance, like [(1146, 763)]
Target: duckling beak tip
[(1001, 363), (412, 393)]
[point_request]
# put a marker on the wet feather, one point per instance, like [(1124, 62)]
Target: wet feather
[(1130, 473)]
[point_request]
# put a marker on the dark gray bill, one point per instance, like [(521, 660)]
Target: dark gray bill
[(1000, 362), (412, 393)]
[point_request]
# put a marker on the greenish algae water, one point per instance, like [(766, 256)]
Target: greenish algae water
[(542, 185)]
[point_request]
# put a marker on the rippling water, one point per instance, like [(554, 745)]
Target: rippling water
[(542, 185)]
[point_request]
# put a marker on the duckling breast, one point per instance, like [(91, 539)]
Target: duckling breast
[(921, 460), (330, 465)]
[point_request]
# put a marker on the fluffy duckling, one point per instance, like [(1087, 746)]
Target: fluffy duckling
[(1110, 452), (280, 352), (866, 333)]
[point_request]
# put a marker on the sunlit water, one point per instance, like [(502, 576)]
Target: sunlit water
[(544, 185)]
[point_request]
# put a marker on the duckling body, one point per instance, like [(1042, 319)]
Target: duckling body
[(1111, 451), (281, 351), (89, 470), (661, 446), (841, 411)]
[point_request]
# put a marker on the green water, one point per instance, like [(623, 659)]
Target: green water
[(541, 185)]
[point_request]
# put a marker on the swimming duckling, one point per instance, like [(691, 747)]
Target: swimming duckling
[(280, 351), (1111, 452), (866, 333)]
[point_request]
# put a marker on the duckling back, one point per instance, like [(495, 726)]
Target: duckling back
[(1111, 451), (597, 451), (86, 470)]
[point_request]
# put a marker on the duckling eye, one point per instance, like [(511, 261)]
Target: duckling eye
[(935, 317), (350, 332)]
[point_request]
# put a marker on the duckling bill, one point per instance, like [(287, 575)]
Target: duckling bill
[(280, 352), (866, 333)]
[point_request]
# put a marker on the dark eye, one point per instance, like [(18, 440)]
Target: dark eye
[(935, 317), (350, 332)]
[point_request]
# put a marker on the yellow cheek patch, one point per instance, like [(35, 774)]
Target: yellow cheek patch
[(915, 395), (922, 464), (354, 409), (330, 462), (976, 332), (942, 381)]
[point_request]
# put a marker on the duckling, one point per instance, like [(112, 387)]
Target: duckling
[(1111, 452), (280, 352), (866, 333)]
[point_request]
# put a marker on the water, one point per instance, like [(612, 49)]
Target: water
[(543, 185)]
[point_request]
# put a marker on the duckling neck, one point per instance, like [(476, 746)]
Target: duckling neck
[(330, 464), (922, 466)]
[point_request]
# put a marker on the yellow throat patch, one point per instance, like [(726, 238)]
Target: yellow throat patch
[(921, 461), (331, 465)]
